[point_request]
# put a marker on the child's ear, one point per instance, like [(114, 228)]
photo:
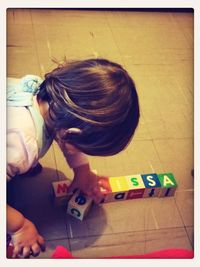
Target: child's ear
[(65, 132), (73, 131)]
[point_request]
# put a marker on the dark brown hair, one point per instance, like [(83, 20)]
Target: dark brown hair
[(97, 96)]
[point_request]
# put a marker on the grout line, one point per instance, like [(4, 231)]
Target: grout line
[(70, 231), (185, 226), (153, 171), (129, 232), (35, 42), (154, 218)]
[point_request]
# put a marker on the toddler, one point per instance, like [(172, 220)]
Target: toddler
[(89, 107)]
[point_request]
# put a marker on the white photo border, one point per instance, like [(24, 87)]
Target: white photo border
[(100, 4)]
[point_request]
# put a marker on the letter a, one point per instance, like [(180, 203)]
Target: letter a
[(167, 181)]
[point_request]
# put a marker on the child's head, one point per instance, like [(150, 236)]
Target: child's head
[(96, 96)]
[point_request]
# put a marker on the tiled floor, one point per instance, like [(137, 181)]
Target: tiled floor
[(157, 50)]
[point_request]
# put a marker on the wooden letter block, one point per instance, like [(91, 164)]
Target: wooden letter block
[(61, 195), (61, 187), (152, 184), (119, 189), (136, 186), (105, 188), (168, 184), (79, 205)]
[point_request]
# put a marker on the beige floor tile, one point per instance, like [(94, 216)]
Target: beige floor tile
[(166, 107), (49, 46), (20, 35), (21, 62), (116, 19), (114, 165), (143, 152), (148, 60), (133, 19), (108, 245), (186, 24), (190, 233), (183, 19), (167, 239), (136, 243), (183, 175), (142, 131), (185, 70), (84, 37), (171, 117), (176, 156), (157, 128), (19, 16), (164, 40), (185, 204), (135, 159), (179, 149), (76, 43), (163, 213), (126, 216), (74, 18)]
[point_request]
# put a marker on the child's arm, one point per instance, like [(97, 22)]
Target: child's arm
[(25, 237), (87, 182), (84, 178)]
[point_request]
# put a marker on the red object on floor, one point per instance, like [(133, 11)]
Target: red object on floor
[(62, 253), (9, 251)]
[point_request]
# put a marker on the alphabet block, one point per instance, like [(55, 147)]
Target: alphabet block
[(168, 184), (152, 185), (78, 205), (61, 195), (118, 189), (105, 188), (136, 186)]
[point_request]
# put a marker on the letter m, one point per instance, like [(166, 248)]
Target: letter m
[(62, 188)]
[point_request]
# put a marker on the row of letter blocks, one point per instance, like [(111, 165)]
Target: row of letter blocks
[(118, 189), (139, 186)]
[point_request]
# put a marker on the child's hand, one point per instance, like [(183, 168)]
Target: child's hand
[(88, 182), (27, 241)]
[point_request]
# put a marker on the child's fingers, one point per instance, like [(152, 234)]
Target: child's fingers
[(72, 188), (26, 252), (98, 199), (16, 251), (41, 242), (97, 195), (35, 250), (103, 182)]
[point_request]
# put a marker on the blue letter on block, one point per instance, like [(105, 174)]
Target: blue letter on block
[(80, 200), (75, 212), (120, 195)]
